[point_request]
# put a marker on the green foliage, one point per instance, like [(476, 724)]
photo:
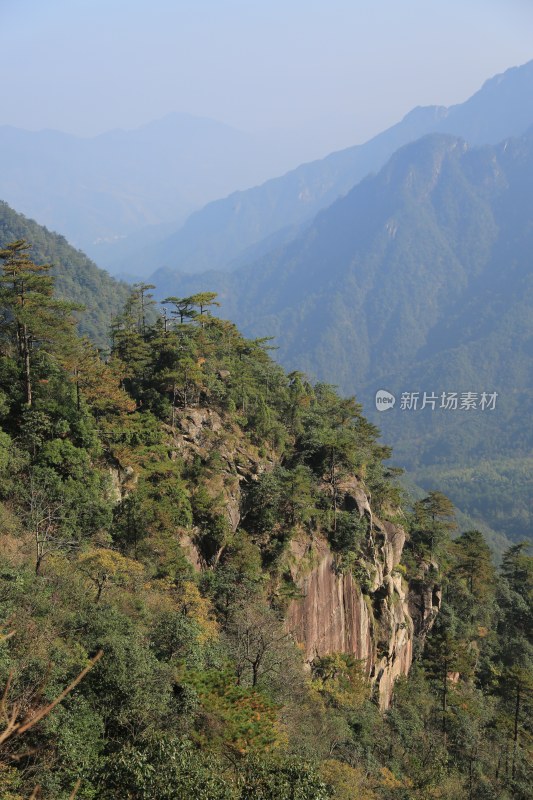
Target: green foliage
[(77, 279), (32, 318), (118, 514), (163, 768), (349, 534), (214, 529), (432, 522), (282, 779)]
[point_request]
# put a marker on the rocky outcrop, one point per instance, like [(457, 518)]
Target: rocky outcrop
[(377, 625), (375, 617), (204, 433), (122, 481), (201, 432), (333, 615)]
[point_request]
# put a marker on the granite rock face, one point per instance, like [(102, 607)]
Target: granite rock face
[(377, 618), (331, 616), (200, 432), (379, 625)]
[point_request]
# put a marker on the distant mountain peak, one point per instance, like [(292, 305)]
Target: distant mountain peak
[(424, 113), (227, 232), (521, 71)]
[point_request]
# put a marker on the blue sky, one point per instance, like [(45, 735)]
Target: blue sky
[(339, 70)]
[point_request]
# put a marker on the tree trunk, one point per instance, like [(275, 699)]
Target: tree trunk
[(100, 586), (445, 702), (25, 353), (515, 732)]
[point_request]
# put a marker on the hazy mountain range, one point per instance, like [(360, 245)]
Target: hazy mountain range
[(126, 197), (235, 230), (414, 279), (99, 190), (419, 279)]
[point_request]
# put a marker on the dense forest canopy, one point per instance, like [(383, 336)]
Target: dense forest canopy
[(127, 595)]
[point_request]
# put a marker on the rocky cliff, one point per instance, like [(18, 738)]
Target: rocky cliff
[(376, 617), (379, 625), (333, 615)]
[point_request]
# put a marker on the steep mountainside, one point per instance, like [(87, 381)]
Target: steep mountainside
[(220, 235), (418, 280), (210, 585), (375, 619), (199, 515), (77, 278)]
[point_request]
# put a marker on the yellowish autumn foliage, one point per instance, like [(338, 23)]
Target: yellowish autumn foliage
[(164, 595), (191, 602), (390, 781), (9, 782), (346, 782), (103, 566)]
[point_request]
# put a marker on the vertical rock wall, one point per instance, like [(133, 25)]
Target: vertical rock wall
[(333, 615)]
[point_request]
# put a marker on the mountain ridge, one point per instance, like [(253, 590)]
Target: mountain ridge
[(108, 186), (216, 236), (412, 281)]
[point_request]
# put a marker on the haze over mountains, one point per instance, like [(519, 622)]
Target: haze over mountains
[(415, 279), (394, 257), (99, 190), (235, 230), (419, 279), (125, 197)]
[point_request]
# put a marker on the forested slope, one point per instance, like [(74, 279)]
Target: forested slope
[(419, 280), (77, 278), (164, 517)]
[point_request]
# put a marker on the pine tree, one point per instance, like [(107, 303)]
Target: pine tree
[(433, 520), (145, 301), (32, 317), (474, 564), (129, 342), (183, 307), (204, 300)]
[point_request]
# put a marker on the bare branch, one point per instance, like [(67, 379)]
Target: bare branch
[(38, 716), (14, 728), (75, 790)]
